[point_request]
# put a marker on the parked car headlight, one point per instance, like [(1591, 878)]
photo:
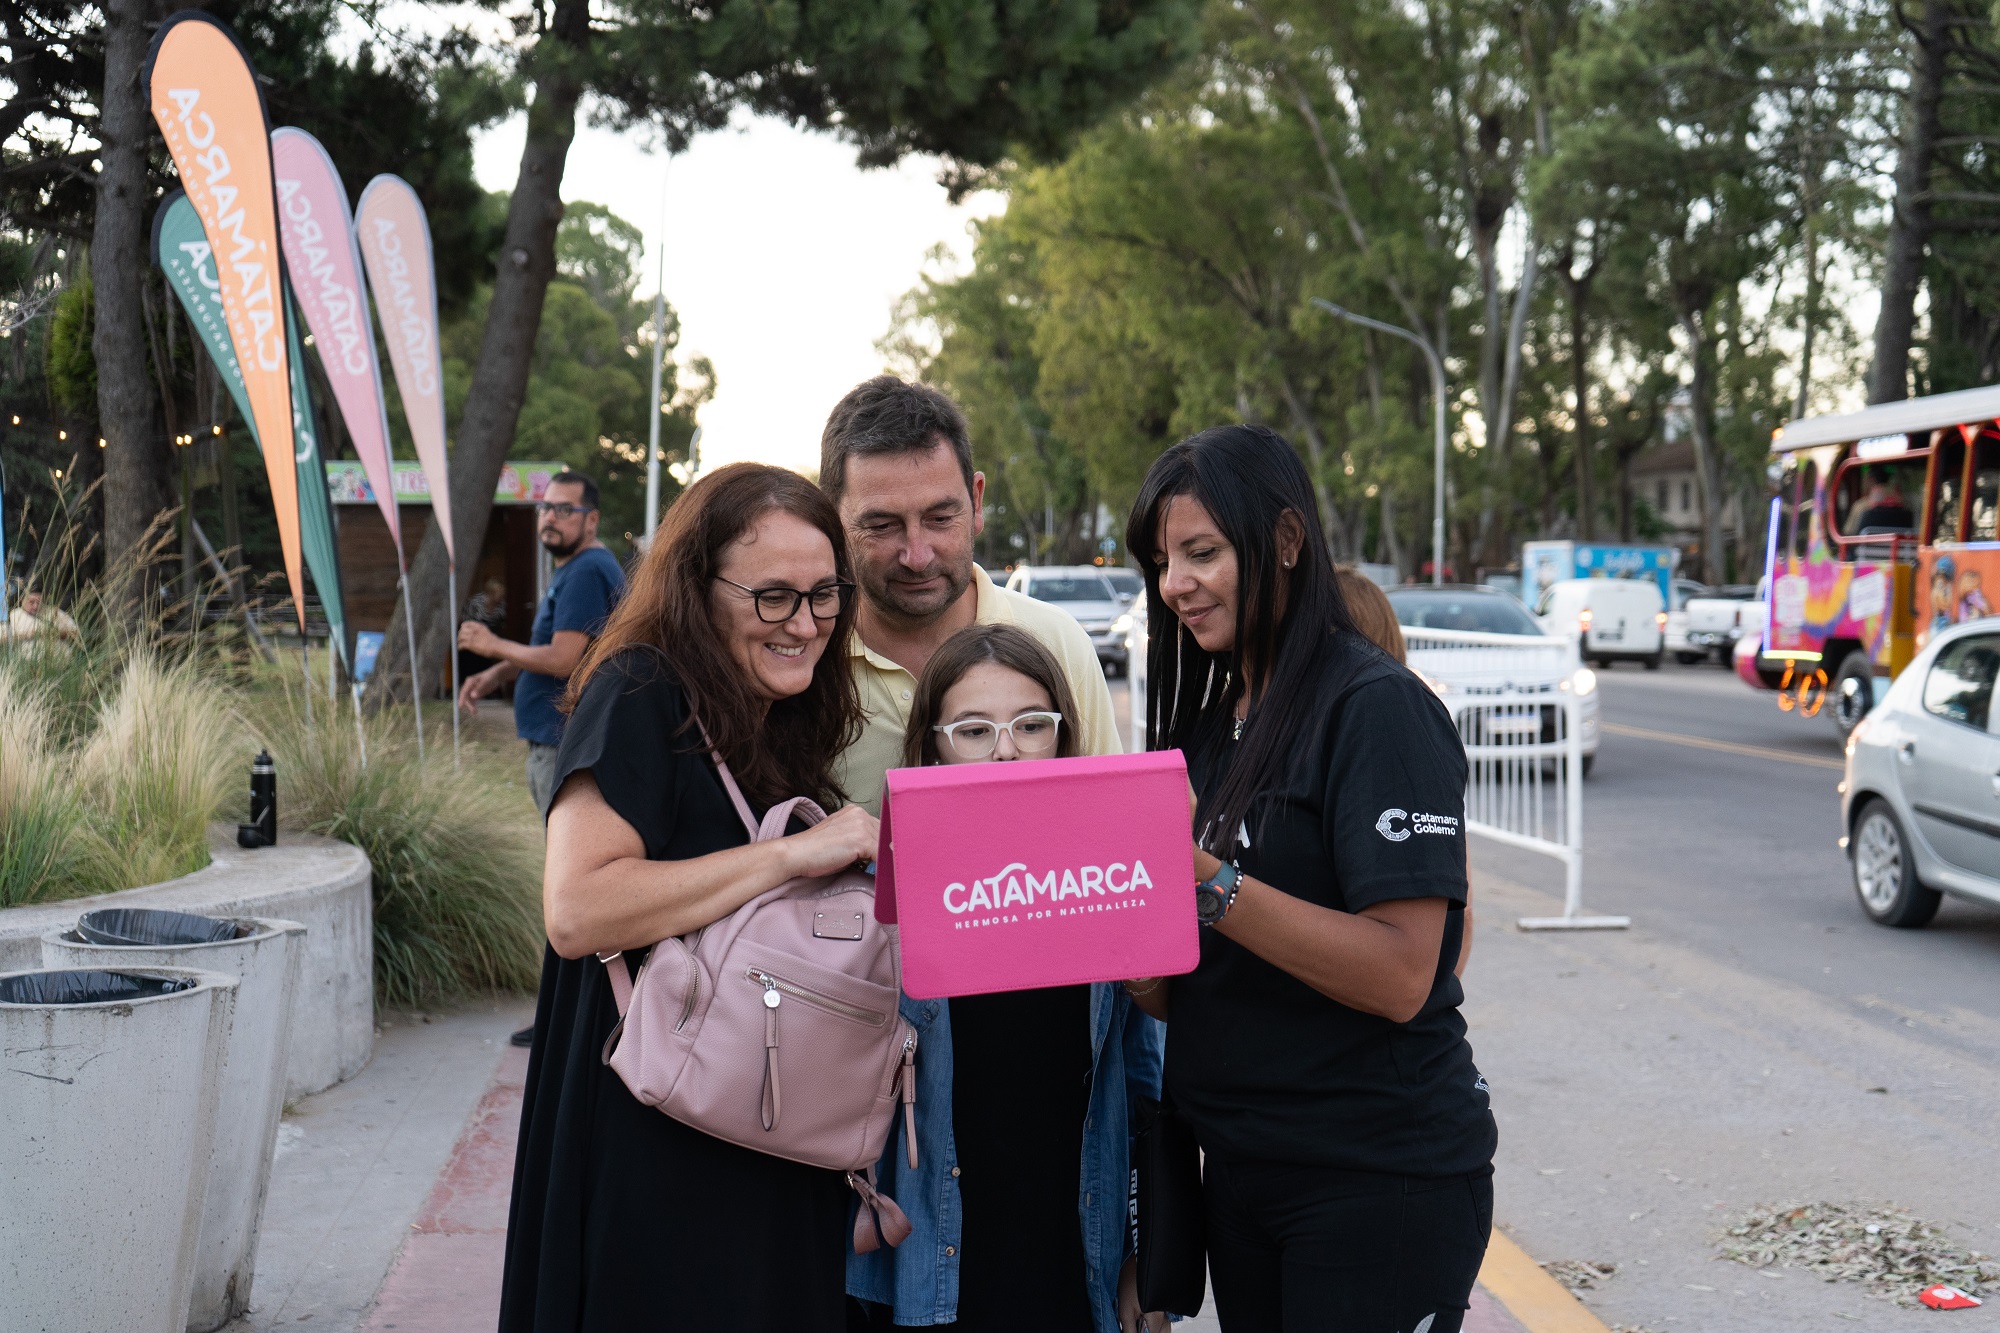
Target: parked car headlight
[(1584, 681)]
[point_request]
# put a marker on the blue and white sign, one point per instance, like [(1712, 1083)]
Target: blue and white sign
[(1544, 563), (367, 647)]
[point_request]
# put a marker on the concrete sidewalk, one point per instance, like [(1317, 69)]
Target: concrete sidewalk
[(388, 1203), (356, 1164)]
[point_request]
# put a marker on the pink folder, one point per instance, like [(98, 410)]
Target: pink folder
[(1049, 873)]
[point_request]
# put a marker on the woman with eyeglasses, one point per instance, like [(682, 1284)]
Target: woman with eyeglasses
[(622, 1217), (1026, 1095), (1317, 1050)]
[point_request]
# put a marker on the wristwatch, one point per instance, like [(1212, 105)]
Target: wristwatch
[(1214, 896)]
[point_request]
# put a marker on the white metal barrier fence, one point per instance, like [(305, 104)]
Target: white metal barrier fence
[(1515, 702)]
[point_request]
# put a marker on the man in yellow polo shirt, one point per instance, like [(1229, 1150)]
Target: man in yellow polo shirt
[(896, 460)]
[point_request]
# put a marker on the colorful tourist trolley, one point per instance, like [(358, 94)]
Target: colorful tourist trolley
[(1883, 530)]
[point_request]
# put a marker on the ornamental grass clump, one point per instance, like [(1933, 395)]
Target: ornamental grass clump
[(153, 774), (40, 821), (456, 852)]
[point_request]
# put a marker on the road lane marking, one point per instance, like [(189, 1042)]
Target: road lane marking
[(1726, 747), (1542, 1304)]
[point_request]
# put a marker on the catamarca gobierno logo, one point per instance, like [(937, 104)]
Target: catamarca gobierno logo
[(1397, 824), (1017, 886)]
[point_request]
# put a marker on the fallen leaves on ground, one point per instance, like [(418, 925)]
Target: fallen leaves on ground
[(1880, 1246), (1580, 1274)]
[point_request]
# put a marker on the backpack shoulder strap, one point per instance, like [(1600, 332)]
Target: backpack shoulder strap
[(729, 781)]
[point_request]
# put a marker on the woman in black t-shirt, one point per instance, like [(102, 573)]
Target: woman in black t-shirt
[(622, 1217), (1317, 1050)]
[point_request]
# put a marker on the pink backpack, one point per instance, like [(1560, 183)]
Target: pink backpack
[(795, 990)]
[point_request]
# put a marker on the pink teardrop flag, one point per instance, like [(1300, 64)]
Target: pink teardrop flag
[(325, 267), (395, 239)]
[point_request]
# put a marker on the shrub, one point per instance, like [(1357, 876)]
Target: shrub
[(457, 855)]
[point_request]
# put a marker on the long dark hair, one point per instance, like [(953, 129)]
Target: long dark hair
[(1248, 478), (1004, 645), (666, 612)]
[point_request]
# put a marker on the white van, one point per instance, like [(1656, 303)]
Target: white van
[(1612, 619)]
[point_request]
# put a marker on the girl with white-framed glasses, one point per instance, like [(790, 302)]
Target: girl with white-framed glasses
[(1018, 1206)]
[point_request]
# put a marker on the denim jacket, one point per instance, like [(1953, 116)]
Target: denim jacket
[(920, 1277)]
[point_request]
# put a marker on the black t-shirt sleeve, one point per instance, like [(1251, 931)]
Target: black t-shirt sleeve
[(1395, 795), (626, 731)]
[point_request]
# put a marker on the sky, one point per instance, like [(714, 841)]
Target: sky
[(782, 256)]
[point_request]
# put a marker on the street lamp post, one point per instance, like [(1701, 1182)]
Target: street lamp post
[(653, 428), (1437, 399)]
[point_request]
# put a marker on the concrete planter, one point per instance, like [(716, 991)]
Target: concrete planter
[(318, 882), (265, 960), (107, 1117)]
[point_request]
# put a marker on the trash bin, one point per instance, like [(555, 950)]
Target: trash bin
[(264, 956), (107, 1116)]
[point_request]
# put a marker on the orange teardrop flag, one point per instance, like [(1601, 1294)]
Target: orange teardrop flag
[(204, 96)]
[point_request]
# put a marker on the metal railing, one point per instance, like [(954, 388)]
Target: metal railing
[(1514, 701)]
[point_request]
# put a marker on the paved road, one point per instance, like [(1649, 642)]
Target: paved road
[(1734, 854)]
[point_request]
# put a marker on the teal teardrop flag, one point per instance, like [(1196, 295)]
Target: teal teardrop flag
[(182, 251)]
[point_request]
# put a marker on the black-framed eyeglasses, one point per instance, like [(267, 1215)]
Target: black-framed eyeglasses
[(777, 605), (562, 511), (976, 738)]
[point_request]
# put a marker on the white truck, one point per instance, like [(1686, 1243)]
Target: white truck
[(1714, 624)]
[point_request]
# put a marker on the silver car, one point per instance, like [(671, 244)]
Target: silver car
[(1921, 803), (1129, 584), (1084, 592)]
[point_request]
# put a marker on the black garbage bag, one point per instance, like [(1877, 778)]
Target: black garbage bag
[(150, 926), (88, 987)]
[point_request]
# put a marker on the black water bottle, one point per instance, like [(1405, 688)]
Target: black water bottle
[(262, 830)]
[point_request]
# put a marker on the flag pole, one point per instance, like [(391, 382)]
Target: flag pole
[(410, 624), (451, 646), (360, 732)]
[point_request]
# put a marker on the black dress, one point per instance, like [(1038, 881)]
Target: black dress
[(623, 1218), (1020, 1090)]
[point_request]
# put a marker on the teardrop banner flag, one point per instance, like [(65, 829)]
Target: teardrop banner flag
[(395, 239), (315, 505), (325, 267), (181, 251), (205, 99)]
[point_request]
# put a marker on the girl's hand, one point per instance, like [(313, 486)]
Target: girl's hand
[(1130, 1318), (848, 837)]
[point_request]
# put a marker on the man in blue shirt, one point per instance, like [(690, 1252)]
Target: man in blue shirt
[(587, 583)]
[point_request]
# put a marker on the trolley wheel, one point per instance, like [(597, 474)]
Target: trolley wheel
[(1852, 691)]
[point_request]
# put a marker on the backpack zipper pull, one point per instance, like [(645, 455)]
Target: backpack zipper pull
[(910, 1097), (772, 1105)]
